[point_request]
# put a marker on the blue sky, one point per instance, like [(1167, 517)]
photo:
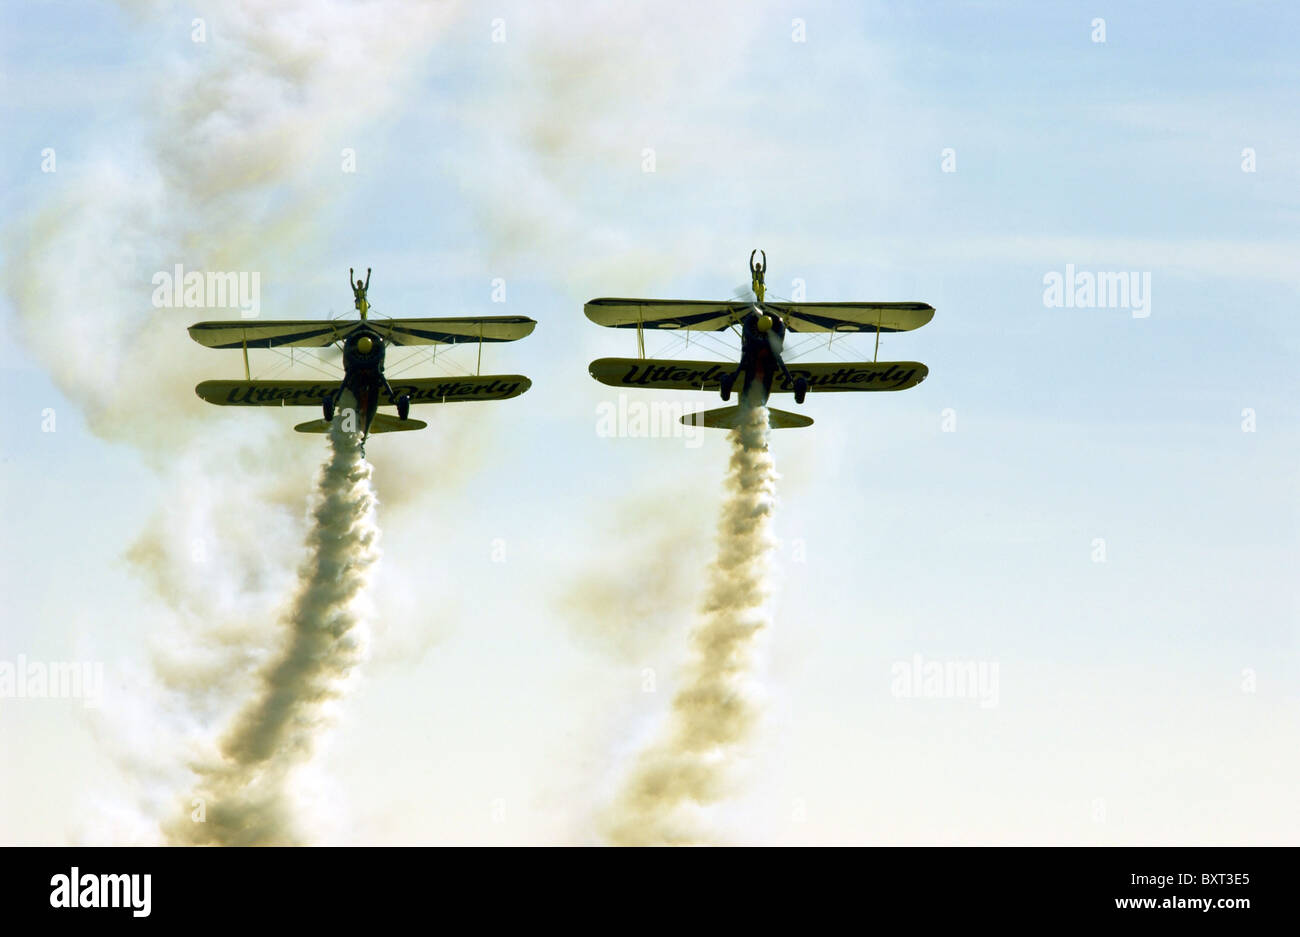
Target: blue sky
[(1121, 682)]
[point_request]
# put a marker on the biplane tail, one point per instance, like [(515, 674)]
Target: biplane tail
[(382, 423), (731, 418)]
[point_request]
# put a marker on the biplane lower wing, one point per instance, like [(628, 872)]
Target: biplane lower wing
[(853, 375), (707, 375), (470, 387), (266, 393), (731, 418), (666, 375), (313, 393), (382, 423)]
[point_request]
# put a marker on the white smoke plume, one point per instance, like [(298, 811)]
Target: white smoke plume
[(712, 713), (243, 794)]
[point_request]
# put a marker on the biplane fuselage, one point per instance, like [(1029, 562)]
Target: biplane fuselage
[(760, 354), (363, 380)]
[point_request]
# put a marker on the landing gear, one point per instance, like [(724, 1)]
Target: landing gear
[(800, 384), (327, 405), (727, 381), (403, 402)]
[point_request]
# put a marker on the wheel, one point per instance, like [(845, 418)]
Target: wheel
[(727, 381), (800, 389), (328, 406), (403, 406)]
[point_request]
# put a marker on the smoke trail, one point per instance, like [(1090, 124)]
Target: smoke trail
[(226, 161), (711, 713), (244, 791)]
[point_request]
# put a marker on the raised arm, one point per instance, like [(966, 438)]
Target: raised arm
[(367, 278)]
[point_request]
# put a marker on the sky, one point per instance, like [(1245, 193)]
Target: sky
[(1094, 508)]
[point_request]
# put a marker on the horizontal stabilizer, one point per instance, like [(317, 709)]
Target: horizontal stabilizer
[(382, 423), (784, 419), (387, 423), (731, 418), (314, 426)]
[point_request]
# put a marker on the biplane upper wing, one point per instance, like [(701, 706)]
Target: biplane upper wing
[(708, 316), (240, 333), (707, 375), (853, 317), (313, 393), (697, 315), (450, 331)]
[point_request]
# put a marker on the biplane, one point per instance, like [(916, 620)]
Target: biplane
[(762, 370), (363, 343)]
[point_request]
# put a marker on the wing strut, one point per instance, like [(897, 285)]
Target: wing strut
[(247, 375), (640, 334), (878, 317), (478, 369)]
